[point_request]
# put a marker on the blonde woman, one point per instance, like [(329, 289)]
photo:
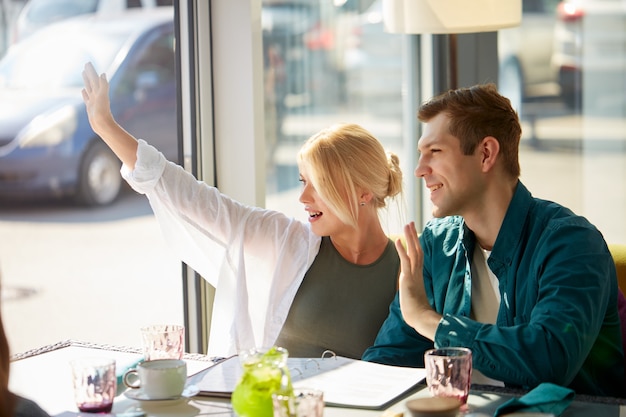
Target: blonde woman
[(307, 286)]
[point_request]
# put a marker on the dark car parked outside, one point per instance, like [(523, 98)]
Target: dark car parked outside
[(47, 147)]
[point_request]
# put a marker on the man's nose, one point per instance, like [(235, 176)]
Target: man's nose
[(421, 169)]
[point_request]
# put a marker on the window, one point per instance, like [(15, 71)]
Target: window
[(566, 67), (326, 63), (322, 62), (68, 271)]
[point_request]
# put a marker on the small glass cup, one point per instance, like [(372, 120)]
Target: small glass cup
[(449, 372), (304, 402), (95, 384), (163, 341)]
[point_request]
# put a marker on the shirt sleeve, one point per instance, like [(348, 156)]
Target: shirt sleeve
[(397, 343), (208, 229), (557, 322)]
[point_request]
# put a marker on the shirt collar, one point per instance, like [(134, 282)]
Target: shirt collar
[(510, 235)]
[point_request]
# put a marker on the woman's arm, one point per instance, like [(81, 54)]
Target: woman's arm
[(96, 97)]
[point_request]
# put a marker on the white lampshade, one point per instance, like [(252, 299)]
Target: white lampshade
[(450, 16)]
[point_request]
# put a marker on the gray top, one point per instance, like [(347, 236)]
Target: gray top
[(28, 408), (314, 323)]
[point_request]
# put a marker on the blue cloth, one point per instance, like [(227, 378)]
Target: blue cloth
[(558, 319), (545, 398)]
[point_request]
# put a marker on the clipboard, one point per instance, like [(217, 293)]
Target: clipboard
[(345, 382)]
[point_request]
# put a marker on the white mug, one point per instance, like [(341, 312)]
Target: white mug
[(158, 379)]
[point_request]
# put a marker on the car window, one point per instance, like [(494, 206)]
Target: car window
[(540, 6), (154, 65), (45, 61), (43, 11)]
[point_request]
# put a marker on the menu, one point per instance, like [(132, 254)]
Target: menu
[(345, 382)]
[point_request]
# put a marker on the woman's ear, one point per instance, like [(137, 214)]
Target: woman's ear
[(365, 197)]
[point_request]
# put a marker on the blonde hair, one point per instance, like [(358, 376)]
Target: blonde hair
[(345, 159)]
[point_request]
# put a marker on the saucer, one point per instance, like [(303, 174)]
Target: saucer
[(139, 395)]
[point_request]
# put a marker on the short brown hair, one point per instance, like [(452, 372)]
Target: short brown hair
[(475, 113)]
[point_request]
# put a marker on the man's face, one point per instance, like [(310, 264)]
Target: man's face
[(455, 180)]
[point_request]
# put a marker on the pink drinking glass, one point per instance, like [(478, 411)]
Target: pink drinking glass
[(449, 372)]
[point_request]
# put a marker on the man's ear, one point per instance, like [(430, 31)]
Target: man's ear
[(490, 149)]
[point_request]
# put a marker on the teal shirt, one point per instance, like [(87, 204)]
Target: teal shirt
[(558, 319)]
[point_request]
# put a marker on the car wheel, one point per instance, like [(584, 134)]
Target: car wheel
[(99, 180), (511, 84)]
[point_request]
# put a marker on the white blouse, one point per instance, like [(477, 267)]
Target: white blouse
[(255, 258)]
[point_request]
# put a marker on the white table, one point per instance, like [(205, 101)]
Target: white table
[(44, 376)]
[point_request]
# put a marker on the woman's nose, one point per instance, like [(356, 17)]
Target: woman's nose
[(304, 198)]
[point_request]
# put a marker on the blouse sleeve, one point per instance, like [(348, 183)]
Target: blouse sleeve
[(204, 226)]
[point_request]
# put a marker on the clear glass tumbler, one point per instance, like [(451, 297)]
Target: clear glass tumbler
[(95, 384)]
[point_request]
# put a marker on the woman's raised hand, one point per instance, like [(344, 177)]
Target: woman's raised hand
[(96, 97), (98, 105)]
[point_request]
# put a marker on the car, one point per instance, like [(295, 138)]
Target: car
[(38, 13), (590, 55), (47, 147), (525, 71)]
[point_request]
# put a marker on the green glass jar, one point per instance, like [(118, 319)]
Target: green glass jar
[(264, 372)]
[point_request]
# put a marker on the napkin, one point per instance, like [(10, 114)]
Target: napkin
[(545, 398)]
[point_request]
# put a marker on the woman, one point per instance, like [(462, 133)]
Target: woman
[(7, 399), (12, 405), (325, 284)]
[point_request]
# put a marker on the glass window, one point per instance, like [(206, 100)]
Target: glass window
[(99, 273), (565, 69), (73, 263), (326, 62)]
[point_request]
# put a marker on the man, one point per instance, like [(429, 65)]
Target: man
[(526, 284)]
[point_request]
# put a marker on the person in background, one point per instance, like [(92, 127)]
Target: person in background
[(306, 286), (526, 284), (12, 405)]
